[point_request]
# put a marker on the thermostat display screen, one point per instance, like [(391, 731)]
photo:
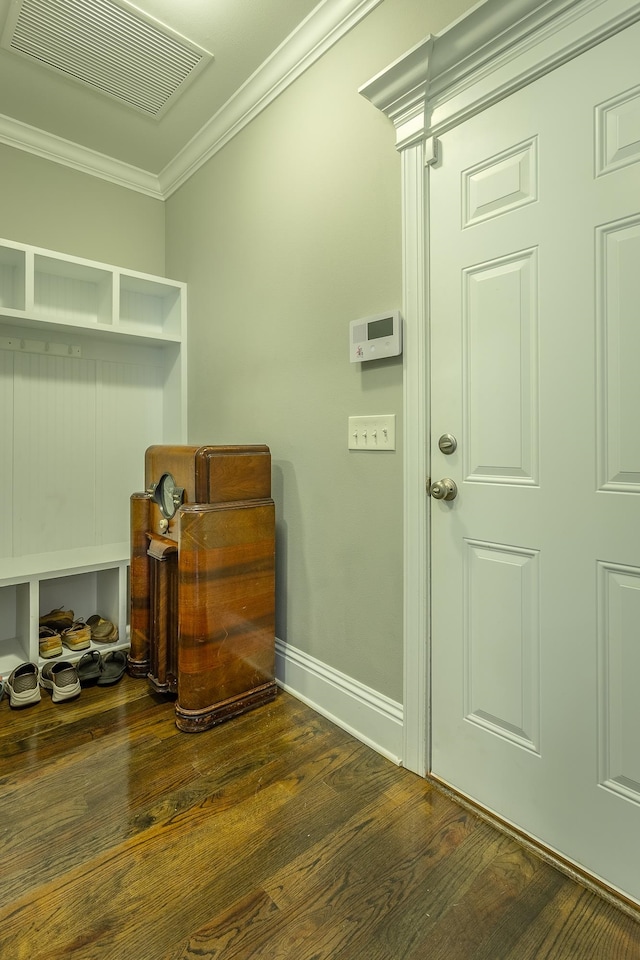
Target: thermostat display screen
[(380, 328), (373, 338)]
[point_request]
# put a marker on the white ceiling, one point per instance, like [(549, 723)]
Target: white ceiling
[(242, 35)]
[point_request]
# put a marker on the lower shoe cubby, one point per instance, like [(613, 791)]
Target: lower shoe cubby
[(15, 633), (86, 593), (102, 590)]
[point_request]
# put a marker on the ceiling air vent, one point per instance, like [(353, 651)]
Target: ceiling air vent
[(113, 48)]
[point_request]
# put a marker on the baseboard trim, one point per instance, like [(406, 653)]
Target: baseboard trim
[(548, 854), (369, 716)]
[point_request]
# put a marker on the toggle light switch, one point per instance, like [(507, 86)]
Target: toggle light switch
[(373, 433)]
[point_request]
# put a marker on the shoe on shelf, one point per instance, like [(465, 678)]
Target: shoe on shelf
[(50, 643), (102, 631), (62, 679), (57, 619), (77, 636), (22, 685)]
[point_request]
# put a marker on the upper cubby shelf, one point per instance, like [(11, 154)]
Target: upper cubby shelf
[(151, 305), (12, 277), (40, 288)]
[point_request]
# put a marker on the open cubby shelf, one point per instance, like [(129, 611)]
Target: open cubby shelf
[(92, 372)]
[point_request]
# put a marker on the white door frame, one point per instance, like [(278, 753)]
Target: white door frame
[(489, 53)]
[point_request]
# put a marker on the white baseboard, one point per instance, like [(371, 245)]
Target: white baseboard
[(364, 713)]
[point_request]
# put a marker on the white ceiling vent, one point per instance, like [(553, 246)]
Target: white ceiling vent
[(115, 49)]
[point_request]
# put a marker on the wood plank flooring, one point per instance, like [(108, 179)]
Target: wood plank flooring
[(275, 835)]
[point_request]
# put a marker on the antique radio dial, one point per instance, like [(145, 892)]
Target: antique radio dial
[(167, 495)]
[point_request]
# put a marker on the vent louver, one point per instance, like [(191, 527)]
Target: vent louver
[(115, 50)]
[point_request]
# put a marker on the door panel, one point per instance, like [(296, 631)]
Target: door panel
[(507, 634), (618, 348), (535, 347), (500, 369)]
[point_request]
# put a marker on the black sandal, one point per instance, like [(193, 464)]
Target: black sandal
[(114, 665), (89, 667)]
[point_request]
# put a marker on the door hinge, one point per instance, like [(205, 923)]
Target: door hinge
[(431, 145)]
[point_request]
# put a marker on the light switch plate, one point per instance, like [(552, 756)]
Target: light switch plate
[(373, 433)]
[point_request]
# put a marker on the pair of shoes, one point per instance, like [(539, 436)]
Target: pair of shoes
[(58, 627), (57, 619), (102, 631), (77, 636), (50, 643), (105, 670), (62, 679), (22, 685)]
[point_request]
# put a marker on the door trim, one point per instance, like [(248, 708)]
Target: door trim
[(416, 685), (482, 58)]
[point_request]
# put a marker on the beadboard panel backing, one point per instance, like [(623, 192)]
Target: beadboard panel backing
[(129, 418), (54, 453), (80, 428)]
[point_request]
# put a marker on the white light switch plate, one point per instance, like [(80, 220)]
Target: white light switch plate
[(373, 433)]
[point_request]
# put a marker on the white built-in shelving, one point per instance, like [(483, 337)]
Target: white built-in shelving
[(92, 372)]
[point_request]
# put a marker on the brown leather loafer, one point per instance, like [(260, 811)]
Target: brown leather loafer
[(57, 619), (78, 636), (50, 643), (102, 631)]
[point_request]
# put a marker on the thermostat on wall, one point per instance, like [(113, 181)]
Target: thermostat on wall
[(374, 338)]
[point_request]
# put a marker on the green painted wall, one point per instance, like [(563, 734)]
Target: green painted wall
[(49, 205), (284, 236)]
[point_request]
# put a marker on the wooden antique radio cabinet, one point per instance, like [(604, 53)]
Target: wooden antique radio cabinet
[(203, 580)]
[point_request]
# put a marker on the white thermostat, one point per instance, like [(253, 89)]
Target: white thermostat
[(374, 338)]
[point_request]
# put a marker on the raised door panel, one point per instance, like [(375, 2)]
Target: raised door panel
[(502, 641), (619, 652), (618, 341), (500, 370)]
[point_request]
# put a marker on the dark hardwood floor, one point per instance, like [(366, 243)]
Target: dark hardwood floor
[(275, 835)]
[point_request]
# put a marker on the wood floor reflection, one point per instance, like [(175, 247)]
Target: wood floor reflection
[(275, 835)]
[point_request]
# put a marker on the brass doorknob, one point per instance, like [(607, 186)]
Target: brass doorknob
[(445, 489)]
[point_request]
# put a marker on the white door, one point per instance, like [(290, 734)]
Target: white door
[(535, 318)]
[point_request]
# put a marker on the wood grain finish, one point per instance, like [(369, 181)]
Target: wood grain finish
[(203, 590), (226, 613), (224, 474), (163, 607), (275, 836), (139, 614), (209, 474)]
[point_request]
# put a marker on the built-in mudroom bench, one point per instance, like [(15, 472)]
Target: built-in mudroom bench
[(92, 372)]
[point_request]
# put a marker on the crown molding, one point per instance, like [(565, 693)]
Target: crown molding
[(324, 26), (400, 92), (21, 136), (484, 56)]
